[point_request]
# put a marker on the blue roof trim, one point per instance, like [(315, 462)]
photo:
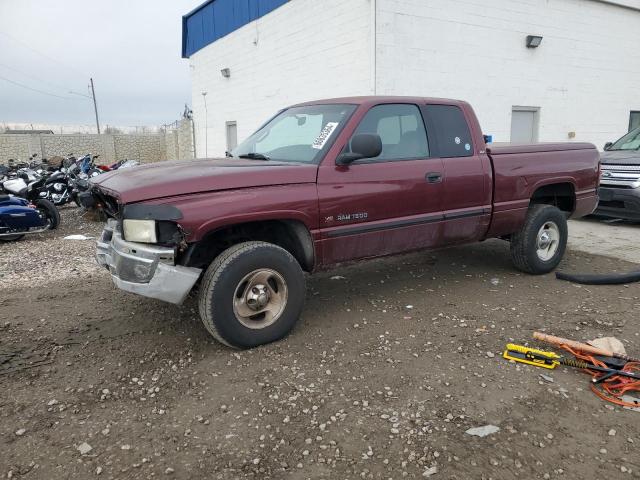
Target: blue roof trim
[(216, 18)]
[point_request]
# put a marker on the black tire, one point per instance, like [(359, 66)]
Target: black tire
[(525, 243), (50, 213), (11, 238), (226, 276)]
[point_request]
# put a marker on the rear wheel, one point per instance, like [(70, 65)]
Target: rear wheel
[(252, 294), (49, 214), (11, 238), (540, 245)]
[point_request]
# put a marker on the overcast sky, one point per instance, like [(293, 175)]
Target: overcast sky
[(131, 48)]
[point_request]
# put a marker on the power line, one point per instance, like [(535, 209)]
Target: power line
[(25, 45), (32, 77), (35, 89)]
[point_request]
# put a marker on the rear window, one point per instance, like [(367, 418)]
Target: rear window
[(450, 129)]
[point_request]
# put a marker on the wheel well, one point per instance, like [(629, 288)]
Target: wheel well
[(292, 235), (561, 195)]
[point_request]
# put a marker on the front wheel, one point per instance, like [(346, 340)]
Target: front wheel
[(252, 294), (49, 213), (539, 246)]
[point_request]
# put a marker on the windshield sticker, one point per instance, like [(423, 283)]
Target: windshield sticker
[(457, 140), (326, 132), (467, 147)]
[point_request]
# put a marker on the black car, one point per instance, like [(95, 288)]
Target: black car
[(620, 181)]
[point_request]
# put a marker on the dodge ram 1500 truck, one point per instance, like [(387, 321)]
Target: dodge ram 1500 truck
[(327, 182)]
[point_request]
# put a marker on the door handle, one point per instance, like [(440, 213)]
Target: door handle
[(433, 177)]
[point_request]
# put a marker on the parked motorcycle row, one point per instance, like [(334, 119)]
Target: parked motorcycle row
[(32, 191)]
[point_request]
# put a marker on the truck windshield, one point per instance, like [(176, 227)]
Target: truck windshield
[(297, 134), (631, 141)]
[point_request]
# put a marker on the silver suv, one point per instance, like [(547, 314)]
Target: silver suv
[(620, 180)]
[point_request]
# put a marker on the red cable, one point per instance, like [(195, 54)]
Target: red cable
[(615, 386)]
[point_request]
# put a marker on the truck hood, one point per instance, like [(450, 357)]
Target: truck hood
[(167, 179), (621, 157)]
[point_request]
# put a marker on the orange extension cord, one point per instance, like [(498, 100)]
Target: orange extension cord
[(614, 387)]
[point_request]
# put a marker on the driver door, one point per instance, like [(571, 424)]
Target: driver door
[(383, 205)]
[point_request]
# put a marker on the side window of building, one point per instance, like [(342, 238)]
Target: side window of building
[(401, 130), (449, 128)]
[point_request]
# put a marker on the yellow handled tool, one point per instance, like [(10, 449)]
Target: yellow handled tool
[(531, 356), (540, 358)]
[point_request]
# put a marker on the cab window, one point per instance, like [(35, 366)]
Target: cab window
[(401, 130), (450, 131)]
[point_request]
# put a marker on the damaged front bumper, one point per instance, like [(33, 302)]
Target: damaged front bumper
[(145, 269)]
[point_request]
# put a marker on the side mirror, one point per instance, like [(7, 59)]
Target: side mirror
[(608, 145), (363, 145)]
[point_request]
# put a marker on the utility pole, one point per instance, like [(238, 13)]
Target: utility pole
[(206, 126), (95, 105), (92, 97)]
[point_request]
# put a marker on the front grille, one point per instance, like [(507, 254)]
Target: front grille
[(621, 176), (621, 168)]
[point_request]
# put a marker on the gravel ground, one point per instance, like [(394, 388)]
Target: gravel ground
[(37, 259), (609, 237), (392, 361)]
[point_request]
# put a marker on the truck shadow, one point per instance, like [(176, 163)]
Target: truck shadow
[(389, 283)]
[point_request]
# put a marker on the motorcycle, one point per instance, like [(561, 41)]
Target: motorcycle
[(18, 184), (126, 164), (56, 185), (28, 185), (61, 182), (58, 188), (20, 217), (88, 165)]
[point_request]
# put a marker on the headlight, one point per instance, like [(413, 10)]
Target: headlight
[(143, 231)]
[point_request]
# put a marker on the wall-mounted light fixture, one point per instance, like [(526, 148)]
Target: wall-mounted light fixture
[(533, 41), (226, 73)]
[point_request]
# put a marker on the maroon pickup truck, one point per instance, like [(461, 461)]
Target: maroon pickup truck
[(327, 182)]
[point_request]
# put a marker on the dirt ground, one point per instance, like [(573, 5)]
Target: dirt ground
[(392, 361)]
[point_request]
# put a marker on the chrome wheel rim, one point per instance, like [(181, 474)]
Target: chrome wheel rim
[(548, 241), (260, 298)]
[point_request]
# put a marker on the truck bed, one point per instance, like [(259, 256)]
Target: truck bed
[(521, 172)]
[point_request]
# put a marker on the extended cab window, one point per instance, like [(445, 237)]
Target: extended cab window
[(450, 130), (297, 134), (401, 130)]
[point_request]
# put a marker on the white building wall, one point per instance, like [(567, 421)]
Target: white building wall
[(585, 77), (304, 50)]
